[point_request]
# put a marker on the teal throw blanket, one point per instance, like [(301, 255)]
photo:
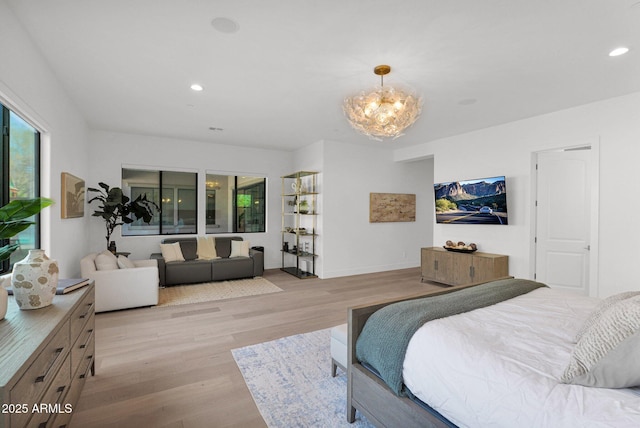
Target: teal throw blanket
[(383, 342)]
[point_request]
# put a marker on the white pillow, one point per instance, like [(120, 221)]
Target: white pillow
[(171, 252), (601, 309), (207, 248), (239, 249), (125, 263), (607, 354), (106, 261)]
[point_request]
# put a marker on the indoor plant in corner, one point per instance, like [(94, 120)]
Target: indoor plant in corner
[(13, 220), (117, 208)]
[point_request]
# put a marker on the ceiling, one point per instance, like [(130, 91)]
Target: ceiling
[(278, 82)]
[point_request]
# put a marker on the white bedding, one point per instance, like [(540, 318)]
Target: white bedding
[(500, 367)]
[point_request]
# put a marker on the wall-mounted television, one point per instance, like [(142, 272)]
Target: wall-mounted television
[(480, 201)]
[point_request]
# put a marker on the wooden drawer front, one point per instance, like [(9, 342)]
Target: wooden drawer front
[(77, 383), (53, 399), (34, 382), (81, 315), (84, 347)]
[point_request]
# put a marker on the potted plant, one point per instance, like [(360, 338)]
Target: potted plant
[(13, 220), (117, 208)]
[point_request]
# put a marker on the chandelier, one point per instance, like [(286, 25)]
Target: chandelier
[(384, 112)]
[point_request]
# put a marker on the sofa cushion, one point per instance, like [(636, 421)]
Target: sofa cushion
[(232, 268), (171, 252), (188, 272), (207, 248), (239, 249), (106, 261)]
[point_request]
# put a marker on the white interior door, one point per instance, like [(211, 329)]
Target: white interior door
[(563, 219)]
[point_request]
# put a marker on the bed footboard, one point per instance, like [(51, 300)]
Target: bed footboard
[(370, 395)]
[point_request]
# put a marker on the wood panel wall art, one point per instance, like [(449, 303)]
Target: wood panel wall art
[(392, 207)]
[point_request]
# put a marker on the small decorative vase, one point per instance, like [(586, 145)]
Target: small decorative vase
[(4, 299), (34, 280)]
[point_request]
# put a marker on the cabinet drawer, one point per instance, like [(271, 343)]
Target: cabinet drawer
[(34, 382), (84, 344), (81, 314), (77, 383), (46, 408)]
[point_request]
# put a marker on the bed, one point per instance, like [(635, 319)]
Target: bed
[(503, 363)]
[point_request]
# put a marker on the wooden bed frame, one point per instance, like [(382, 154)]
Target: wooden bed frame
[(369, 394)]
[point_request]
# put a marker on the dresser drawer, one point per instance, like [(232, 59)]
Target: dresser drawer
[(34, 382), (81, 314), (44, 410), (84, 343)]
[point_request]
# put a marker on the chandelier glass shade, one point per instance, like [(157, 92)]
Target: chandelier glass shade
[(383, 113)]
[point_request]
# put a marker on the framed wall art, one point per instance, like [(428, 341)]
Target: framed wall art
[(72, 196), (392, 207)]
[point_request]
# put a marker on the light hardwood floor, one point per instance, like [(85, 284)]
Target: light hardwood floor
[(172, 366)]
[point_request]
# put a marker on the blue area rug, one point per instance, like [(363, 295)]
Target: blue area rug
[(290, 381)]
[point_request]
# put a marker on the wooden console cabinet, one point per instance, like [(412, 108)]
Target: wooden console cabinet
[(452, 268), (45, 357)]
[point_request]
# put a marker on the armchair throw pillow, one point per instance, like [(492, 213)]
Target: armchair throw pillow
[(106, 261), (125, 263)]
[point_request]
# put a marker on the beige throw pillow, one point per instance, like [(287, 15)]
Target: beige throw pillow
[(239, 249), (125, 263), (601, 308), (207, 248), (171, 252), (607, 354), (106, 261)]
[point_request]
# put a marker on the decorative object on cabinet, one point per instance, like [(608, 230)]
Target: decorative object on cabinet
[(456, 268), (50, 367), (34, 280), (72, 196), (299, 223), (392, 207)]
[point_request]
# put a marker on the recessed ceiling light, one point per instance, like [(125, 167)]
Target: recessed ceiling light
[(225, 25), (197, 87), (619, 51)]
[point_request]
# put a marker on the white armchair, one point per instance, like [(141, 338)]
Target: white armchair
[(123, 288)]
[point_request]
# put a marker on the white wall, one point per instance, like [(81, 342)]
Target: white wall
[(352, 245), (29, 87), (110, 151), (507, 150)]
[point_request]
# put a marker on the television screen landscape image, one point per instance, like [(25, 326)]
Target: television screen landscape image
[(481, 201)]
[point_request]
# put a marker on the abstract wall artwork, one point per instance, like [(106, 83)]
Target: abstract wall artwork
[(392, 207), (72, 196)]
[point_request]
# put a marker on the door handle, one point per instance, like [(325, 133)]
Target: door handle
[(588, 248)]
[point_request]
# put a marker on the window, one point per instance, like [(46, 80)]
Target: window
[(20, 176), (174, 192), (235, 204)]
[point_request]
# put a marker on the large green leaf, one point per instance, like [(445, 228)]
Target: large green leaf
[(23, 208), (5, 252)]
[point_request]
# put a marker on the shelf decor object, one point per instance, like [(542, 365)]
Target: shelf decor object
[(299, 223), (383, 113)]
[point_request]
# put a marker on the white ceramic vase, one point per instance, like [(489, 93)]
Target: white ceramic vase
[(4, 299), (34, 280)]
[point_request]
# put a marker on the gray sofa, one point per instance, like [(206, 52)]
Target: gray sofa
[(192, 270)]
